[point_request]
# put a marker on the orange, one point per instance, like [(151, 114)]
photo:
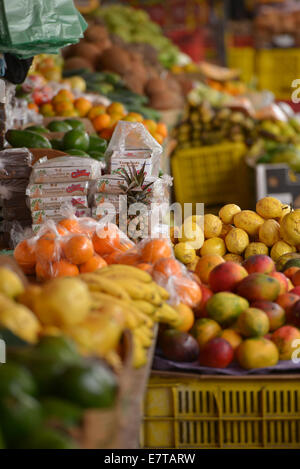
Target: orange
[(159, 138), (33, 106), (47, 110), (70, 224), (96, 111), (162, 129), (47, 249), (145, 267), (206, 264), (131, 257), (106, 239), (101, 122), (63, 95), (106, 133), (135, 116), (43, 271), (125, 246), (94, 263), (63, 108), (290, 272), (155, 250), (64, 268), (150, 125), (24, 254), (168, 267), (116, 108), (187, 291), (187, 317), (111, 258), (79, 249), (83, 106)]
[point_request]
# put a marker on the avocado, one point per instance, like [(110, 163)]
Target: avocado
[(59, 126), (48, 438), (56, 144), (97, 144), (20, 415), (96, 155), (90, 385), (75, 152), (14, 378), (75, 124), (59, 409), (25, 138), (76, 139), (37, 129)]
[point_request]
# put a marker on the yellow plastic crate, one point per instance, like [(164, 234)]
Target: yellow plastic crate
[(190, 411), (243, 59), (213, 175), (276, 69)]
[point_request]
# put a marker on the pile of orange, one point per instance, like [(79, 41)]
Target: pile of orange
[(65, 104)]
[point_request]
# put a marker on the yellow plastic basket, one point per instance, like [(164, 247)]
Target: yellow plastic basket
[(212, 175), (243, 59), (276, 69), (190, 411)]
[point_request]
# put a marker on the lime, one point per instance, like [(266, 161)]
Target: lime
[(15, 378), (97, 144), (75, 152), (76, 139), (59, 126), (59, 409), (97, 155), (75, 124), (90, 385), (20, 415), (56, 144), (48, 438)]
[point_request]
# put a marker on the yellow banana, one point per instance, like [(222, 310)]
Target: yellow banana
[(105, 285), (139, 354), (165, 295), (144, 339), (127, 271), (132, 320), (145, 307), (139, 291), (168, 315)]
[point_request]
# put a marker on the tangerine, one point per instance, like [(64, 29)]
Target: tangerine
[(167, 267), (78, 249), (70, 224), (106, 239), (155, 250), (188, 292), (145, 267), (24, 254), (96, 111), (94, 263), (43, 271), (162, 129), (83, 106), (63, 268), (187, 317), (206, 264), (106, 133), (47, 249), (101, 122)]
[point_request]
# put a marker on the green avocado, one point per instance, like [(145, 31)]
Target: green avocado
[(16, 378), (97, 155), (76, 139), (59, 409), (74, 152), (38, 129), (97, 144), (59, 126), (75, 124), (56, 144), (20, 415), (26, 138), (48, 438), (90, 385)]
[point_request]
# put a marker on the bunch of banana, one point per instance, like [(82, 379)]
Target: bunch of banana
[(131, 294)]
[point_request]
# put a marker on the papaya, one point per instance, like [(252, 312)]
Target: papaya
[(26, 138), (225, 307), (257, 352)]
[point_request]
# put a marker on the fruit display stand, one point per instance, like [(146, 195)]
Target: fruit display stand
[(215, 174), (184, 410)]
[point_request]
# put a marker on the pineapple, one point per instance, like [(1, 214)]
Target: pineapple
[(137, 192)]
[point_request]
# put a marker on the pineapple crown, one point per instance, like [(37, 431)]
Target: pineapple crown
[(135, 182)]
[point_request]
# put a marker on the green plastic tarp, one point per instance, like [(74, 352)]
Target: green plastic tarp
[(31, 27)]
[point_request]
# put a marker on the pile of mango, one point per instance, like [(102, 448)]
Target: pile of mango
[(248, 314)]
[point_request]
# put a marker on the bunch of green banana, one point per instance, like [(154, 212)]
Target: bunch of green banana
[(140, 300)]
